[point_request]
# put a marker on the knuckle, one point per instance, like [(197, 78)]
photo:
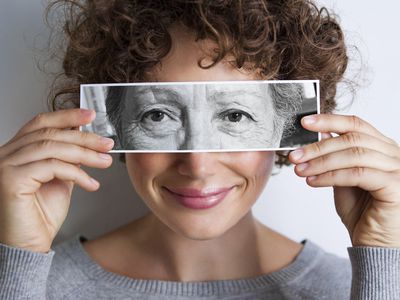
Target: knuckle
[(53, 161), (82, 155), (82, 173), (85, 136), (331, 174), (316, 147), (47, 132), (358, 172), (76, 173), (353, 138), (323, 160), (358, 151), (356, 122), (38, 119), (44, 144)]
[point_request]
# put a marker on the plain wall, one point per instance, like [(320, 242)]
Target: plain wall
[(287, 204)]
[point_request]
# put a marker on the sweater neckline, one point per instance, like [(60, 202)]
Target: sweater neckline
[(303, 262)]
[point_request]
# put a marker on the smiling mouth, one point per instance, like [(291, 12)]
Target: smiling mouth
[(198, 199)]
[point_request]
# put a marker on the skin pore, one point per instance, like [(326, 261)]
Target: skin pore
[(199, 117), (173, 242)]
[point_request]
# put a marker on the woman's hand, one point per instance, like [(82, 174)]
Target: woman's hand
[(363, 166), (38, 168)]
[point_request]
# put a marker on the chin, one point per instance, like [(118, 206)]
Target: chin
[(202, 228)]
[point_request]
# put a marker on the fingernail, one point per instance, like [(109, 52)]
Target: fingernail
[(104, 156), (297, 154), (309, 120), (311, 178), (94, 182), (325, 136), (302, 167), (106, 141), (86, 112)]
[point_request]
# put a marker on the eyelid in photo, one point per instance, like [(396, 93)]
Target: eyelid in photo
[(227, 112), (147, 114), (152, 129), (236, 129), (159, 107), (241, 110)]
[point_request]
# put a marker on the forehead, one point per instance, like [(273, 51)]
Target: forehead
[(187, 89), (253, 88)]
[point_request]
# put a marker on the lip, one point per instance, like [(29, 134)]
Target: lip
[(198, 199)]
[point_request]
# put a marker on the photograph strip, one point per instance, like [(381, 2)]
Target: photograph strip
[(203, 116)]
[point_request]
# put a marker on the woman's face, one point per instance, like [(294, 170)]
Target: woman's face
[(198, 117), (199, 195)]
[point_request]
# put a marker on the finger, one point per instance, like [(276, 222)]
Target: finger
[(349, 158), (80, 138), (325, 135), (381, 184), (66, 152), (342, 124), (65, 118), (342, 142), (40, 172)]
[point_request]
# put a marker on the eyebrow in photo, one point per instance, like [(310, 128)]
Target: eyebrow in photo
[(203, 116)]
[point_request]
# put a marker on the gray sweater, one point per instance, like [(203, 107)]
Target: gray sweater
[(68, 272)]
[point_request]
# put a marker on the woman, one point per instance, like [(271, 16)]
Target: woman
[(206, 244)]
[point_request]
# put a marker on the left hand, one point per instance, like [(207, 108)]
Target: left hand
[(363, 167)]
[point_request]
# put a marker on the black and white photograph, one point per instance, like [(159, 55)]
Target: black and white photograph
[(203, 116)]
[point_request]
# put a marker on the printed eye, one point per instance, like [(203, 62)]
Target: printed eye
[(159, 121), (235, 115), (154, 115)]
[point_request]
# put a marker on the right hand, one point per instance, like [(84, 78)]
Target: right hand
[(38, 169)]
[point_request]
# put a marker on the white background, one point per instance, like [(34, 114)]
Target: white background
[(288, 204)]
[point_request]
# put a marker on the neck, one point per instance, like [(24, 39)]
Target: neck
[(235, 254)]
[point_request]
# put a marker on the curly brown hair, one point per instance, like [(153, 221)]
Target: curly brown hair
[(123, 40)]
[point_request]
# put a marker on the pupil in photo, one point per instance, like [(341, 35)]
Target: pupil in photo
[(157, 116), (235, 117)]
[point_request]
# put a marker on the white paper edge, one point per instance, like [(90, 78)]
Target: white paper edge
[(205, 82)]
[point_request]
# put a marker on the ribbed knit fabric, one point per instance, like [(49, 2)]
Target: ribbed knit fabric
[(23, 274), (68, 272), (376, 272)]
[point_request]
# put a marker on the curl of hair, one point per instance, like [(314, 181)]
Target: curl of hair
[(121, 41)]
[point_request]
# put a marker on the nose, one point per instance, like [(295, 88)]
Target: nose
[(198, 165), (195, 141), (197, 134)]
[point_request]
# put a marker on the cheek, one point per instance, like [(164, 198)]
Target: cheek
[(144, 167), (258, 170), (141, 162), (254, 164), (255, 168)]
